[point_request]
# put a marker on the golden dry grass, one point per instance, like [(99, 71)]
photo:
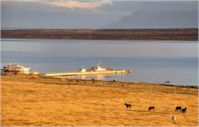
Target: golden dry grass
[(40, 102)]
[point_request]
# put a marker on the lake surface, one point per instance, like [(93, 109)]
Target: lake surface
[(149, 61)]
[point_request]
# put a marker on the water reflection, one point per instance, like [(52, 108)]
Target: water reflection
[(88, 77)]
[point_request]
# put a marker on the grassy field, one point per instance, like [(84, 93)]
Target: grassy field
[(45, 101)]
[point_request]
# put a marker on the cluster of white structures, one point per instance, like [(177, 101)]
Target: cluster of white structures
[(96, 68), (16, 69)]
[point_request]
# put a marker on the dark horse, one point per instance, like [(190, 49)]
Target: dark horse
[(184, 110), (151, 108), (127, 105), (178, 108)]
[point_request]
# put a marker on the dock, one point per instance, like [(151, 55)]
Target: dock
[(87, 73)]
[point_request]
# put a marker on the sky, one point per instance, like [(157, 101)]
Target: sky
[(96, 14)]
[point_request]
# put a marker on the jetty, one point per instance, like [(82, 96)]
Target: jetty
[(87, 73), (96, 70)]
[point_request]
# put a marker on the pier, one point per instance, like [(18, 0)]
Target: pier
[(87, 73)]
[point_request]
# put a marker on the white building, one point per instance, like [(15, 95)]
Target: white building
[(15, 68), (82, 70), (98, 68)]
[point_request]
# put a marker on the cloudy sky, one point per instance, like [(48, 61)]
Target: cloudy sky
[(20, 14)]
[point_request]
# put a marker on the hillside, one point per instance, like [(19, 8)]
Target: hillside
[(158, 19), (52, 102)]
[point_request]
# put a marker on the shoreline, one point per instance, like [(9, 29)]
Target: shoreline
[(62, 80), (165, 41), (149, 83), (95, 80), (189, 34)]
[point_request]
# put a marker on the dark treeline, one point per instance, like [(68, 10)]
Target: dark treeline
[(105, 34)]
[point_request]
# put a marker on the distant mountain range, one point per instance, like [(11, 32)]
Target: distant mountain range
[(163, 19)]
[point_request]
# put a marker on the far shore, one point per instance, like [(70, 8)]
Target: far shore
[(31, 100), (189, 34)]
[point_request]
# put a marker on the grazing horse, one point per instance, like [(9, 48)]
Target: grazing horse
[(184, 110), (151, 108), (127, 105), (178, 108)]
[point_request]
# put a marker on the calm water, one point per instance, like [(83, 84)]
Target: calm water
[(150, 61)]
